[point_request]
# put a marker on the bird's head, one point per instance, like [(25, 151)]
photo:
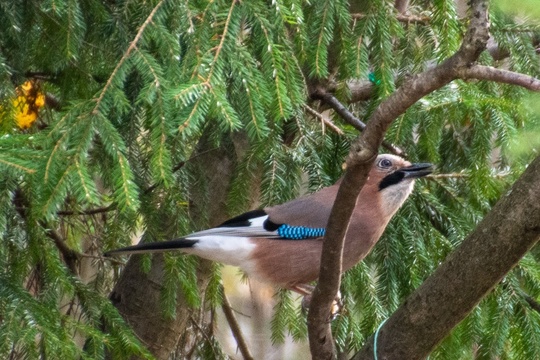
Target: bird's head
[(394, 178)]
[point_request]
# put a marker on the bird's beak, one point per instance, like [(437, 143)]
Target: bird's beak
[(417, 170)]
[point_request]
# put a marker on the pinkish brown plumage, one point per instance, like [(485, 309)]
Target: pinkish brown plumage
[(278, 245)]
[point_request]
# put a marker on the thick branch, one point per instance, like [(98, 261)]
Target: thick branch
[(360, 90), (320, 336), (481, 72), (504, 236), (359, 161)]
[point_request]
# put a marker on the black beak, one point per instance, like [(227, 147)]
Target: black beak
[(411, 172), (417, 170)]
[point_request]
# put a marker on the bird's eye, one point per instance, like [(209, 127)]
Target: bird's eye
[(385, 163)]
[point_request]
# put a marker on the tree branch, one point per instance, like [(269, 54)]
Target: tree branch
[(461, 175), (503, 237), (361, 156), (349, 117), (70, 256), (532, 303), (235, 327), (360, 90), (324, 120), (87, 212), (481, 72)]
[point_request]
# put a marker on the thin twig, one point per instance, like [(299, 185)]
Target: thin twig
[(448, 176), (532, 303), (205, 335), (462, 175), (87, 212), (324, 120), (349, 117), (97, 257), (154, 186), (71, 257), (235, 327)]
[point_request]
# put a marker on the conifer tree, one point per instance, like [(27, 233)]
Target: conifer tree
[(122, 120)]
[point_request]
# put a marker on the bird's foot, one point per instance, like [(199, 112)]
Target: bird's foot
[(306, 291)]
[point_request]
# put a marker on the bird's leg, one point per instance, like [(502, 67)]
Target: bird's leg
[(306, 291)]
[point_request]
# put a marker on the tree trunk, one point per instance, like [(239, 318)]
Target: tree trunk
[(137, 294), (503, 237)]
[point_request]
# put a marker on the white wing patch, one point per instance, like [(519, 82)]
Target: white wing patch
[(258, 221)]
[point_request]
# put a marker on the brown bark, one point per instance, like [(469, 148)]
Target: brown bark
[(137, 294), (137, 297), (361, 156), (468, 274)]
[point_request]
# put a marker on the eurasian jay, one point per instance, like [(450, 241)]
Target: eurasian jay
[(282, 244)]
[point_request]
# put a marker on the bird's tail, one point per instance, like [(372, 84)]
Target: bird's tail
[(154, 247)]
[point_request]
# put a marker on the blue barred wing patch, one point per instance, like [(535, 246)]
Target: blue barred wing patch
[(299, 232)]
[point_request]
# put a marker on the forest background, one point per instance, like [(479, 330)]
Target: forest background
[(123, 120)]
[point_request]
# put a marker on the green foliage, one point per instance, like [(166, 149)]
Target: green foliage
[(139, 83)]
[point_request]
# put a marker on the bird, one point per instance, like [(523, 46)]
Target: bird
[(282, 244)]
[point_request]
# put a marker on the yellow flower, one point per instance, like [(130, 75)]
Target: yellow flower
[(24, 114), (40, 100), (27, 103)]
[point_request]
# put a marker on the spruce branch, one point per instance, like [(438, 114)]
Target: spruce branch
[(235, 327), (132, 46), (154, 186), (177, 167), (17, 166), (113, 207), (482, 72), (71, 257), (221, 42)]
